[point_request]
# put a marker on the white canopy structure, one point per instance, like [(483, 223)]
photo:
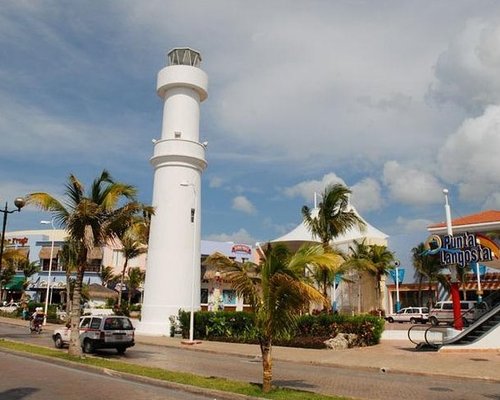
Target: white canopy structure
[(357, 293), (301, 234)]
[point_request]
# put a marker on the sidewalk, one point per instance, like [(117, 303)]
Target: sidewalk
[(388, 356)]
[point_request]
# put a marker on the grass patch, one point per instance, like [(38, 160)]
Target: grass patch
[(169, 376)]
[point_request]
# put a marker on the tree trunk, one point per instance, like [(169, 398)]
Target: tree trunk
[(379, 291), (75, 348), (267, 365), (431, 295), (328, 306), (420, 280), (68, 294), (121, 282)]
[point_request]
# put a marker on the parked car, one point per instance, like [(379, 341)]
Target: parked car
[(9, 307), (410, 314), (442, 312), (99, 332)]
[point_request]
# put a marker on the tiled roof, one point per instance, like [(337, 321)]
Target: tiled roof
[(483, 217)]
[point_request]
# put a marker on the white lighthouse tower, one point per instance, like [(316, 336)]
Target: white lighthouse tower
[(173, 264)]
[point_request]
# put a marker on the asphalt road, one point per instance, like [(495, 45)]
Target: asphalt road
[(350, 382), (24, 378)]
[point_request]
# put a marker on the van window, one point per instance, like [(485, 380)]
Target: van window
[(96, 323), (464, 306), (85, 322), (447, 306)]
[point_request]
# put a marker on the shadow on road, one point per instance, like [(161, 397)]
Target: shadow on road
[(17, 393)]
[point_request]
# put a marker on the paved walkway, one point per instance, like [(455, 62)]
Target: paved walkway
[(389, 355)]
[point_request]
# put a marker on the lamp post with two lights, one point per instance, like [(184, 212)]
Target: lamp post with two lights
[(193, 221), (51, 222)]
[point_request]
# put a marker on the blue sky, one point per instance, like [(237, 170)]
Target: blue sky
[(396, 99)]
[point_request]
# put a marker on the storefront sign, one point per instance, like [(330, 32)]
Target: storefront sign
[(16, 241), (462, 249), (241, 248)]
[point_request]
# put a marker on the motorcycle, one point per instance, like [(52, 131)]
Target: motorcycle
[(36, 324)]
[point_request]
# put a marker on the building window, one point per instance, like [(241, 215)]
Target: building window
[(229, 297), (204, 296)]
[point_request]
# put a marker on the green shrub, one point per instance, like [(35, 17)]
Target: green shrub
[(311, 331)]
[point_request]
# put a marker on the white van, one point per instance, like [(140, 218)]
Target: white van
[(443, 312)]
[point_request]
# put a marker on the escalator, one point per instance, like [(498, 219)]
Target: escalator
[(471, 334)]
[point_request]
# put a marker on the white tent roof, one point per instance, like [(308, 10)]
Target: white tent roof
[(302, 234)]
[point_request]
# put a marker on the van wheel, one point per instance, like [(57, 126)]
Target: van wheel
[(413, 321), (121, 349), (390, 320), (88, 347), (433, 321), (58, 342)]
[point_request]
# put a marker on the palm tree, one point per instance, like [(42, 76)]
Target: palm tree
[(277, 288), (374, 259), (333, 218), (359, 260), (12, 259), (133, 245), (69, 259), (91, 219), (324, 276), (135, 278), (427, 267), (383, 261), (107, 276), (29, 268)]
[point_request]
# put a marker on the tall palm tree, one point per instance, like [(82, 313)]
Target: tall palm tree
[(91, 218), (427, 267), (135, 278), (359, 260), (69, 259), (383, 261), (333, 218), (374, 259), (133, 245), (277, 288)]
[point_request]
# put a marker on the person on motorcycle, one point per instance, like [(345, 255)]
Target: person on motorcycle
[(37, 319)]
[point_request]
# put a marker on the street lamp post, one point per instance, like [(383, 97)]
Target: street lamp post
[(454, 289), (398, 303), (19, 202), (51, 222), (193, 211)]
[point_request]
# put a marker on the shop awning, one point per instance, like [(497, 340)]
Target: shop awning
[(95, 254), (45, 252), (15, 284)]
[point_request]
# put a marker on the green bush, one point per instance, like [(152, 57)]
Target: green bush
[(217, 324), (310, 332)]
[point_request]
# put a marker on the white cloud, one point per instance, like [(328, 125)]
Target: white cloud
[(467, 72), (366, 195), (413, 225), (215, 182), (469, 158), (241, 236), (306, 189), (241, 203), (492, 201), (410, 185)]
